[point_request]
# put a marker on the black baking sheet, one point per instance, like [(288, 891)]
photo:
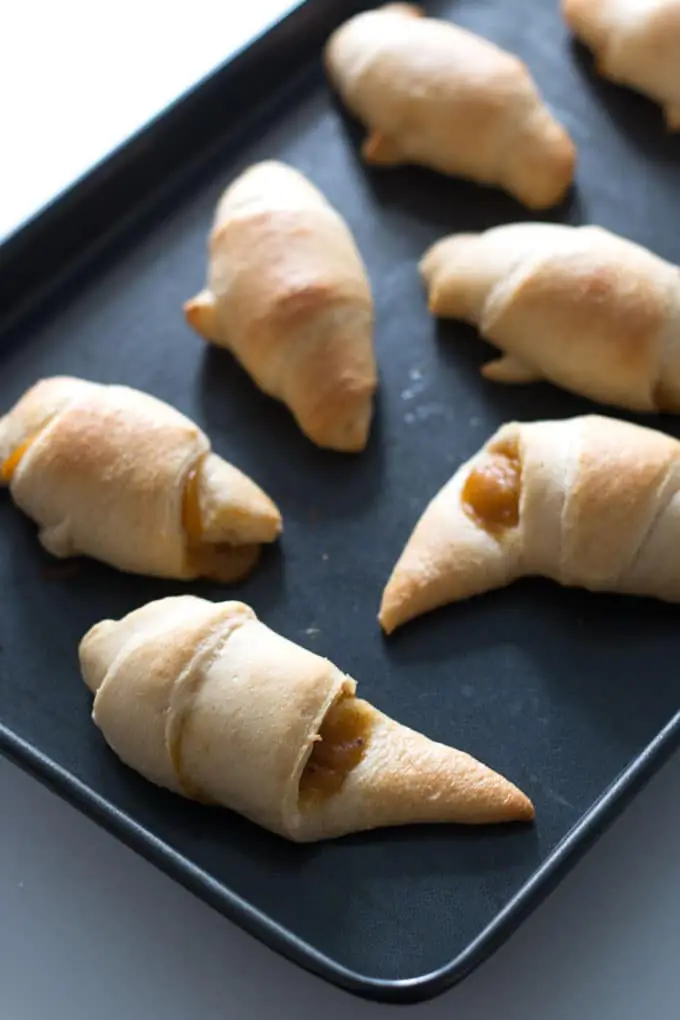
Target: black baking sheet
[(564, 692)]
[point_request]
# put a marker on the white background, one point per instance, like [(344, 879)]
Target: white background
[(77, 78), (87, 929)]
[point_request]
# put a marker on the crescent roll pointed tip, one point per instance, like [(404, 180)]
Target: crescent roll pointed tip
[(449, 557), (232, 507), (205, 700), (402, 778), (200, 313), (289, 296), (543, 175)]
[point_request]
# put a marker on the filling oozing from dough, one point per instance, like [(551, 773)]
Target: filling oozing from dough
[(10, 465), (339, 747), (191, 507), (223, 563), (492, 490)]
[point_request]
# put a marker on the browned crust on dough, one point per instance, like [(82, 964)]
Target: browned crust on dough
[(613, 319)]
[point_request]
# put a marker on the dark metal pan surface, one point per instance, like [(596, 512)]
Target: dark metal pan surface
[(569, 694)]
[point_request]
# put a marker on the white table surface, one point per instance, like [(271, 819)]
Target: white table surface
[(87, 929)]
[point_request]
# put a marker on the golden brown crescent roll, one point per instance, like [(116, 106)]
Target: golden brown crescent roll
[(288, 295), (432, 93), (589, 502), (636, 43), (116, 474), (205, 700), (578, 306)]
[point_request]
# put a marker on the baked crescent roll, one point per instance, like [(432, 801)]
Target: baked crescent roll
[(205, 700), (636, 43), (116, 474), (578, 306), (432, 93), (589, 502), (288, 295)]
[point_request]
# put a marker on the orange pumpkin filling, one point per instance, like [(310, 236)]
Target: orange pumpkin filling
[(223, 563), (491, 492), (9, 466), (191, 507), (340, 746)]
